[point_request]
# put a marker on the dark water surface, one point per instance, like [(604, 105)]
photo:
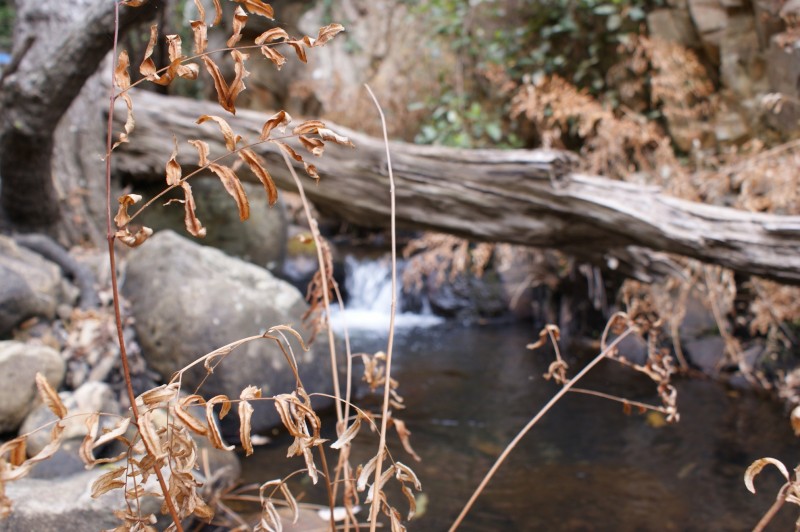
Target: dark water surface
[(586, 466)]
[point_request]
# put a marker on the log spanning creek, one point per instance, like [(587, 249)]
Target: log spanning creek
[(585, 467)]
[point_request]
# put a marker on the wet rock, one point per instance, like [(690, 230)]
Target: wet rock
[(29, 285), (19, 363), (261, 239), (90, 397), (189, 300), (468, 296)]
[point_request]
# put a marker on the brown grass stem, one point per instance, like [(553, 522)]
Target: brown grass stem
[(617, 399), (774, 509), (115, 285), (521, 434), (388, 385), (328, 485)]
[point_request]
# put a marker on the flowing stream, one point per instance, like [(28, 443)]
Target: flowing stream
[(586, 467)]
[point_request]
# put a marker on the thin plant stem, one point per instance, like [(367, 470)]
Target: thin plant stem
[(115, 285), (546, 408), (774, 509), (324, 276), (619, 399), (331, 500), (387, 386)]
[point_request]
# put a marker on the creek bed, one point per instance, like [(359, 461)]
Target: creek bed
[(586, 466)]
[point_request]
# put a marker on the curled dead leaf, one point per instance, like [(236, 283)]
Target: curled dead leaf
[(245, 414), (231, 139), (202, 151), (313, 145), (348, 435), (108, 481), (122, 218), (273, 55), (130, 123), (299, 49), (272, 35), (122, 78), (756, 467), (133, 240), (327, 33), (148, 68), (173, 171), (214, 435), (234, 187), (258, 7), (330, 136), (309, 126), (257, 166), (50, 396), (239, 21), (190, 220), (200, 32), (280, 120)]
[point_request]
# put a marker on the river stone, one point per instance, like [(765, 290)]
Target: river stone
[(88, 398), (261, 239), (188, 300), (19, 363), (29, 285)]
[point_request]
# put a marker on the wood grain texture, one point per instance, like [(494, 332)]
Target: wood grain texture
[(515, 196)]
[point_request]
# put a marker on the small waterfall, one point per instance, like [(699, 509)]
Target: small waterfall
[(369, 288)]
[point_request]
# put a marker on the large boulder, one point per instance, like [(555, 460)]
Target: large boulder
[(29, 285), (19, 363), (261, 239), (188, 300)]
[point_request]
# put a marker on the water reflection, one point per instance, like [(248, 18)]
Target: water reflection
[(586, 466)]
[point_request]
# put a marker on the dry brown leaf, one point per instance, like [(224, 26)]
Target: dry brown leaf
[(148, 67), (366, 473), (348, 435), (280, 119), (239, 21), (234, 187), (92, 423), (191, 422), (314, 146), (298, 49), (273, 55), (16, 450), (292, 331), (190, 220), (309, 126), (327, 33), (227, 94), (258, 7), (218, 13), (231, 139), (113, 434), (329, 135), (157, 396), (200, 32), (311, 170), (50, 396), (173, 171), (149, 434), (56, 435), (756, 467), (122, 218), (108, 481), (130, 123), (214, 435), (256, 164), (201, 10), (133, 240), (122, 77), (404, 434), (202, 151), (289, 151), (272, 35), (245, 414)]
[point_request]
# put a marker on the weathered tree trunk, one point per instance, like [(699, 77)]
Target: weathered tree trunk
[(58, 46), (516, 196)]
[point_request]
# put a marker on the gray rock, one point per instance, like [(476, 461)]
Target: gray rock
[(188, 300), (261, 239), (19, 363), (66, 461), (673, 25), (29, 285), (710, 17), (90, 397)]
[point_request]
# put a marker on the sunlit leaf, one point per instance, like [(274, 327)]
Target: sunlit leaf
[(348, 435), (149, 434), (299, 49), (217, 13), (231, 139), (202, 151), (200, 32), (191, 422), (214, 435), (201, 10), (329, 135), (756, 467), (245, 414)]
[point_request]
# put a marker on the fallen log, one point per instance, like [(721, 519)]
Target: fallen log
[(526, 197)]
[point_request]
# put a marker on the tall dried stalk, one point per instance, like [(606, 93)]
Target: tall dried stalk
[(387, 385), (115, 285)]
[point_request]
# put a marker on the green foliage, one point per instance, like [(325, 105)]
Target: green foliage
[(6, 26), (577, 40)]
